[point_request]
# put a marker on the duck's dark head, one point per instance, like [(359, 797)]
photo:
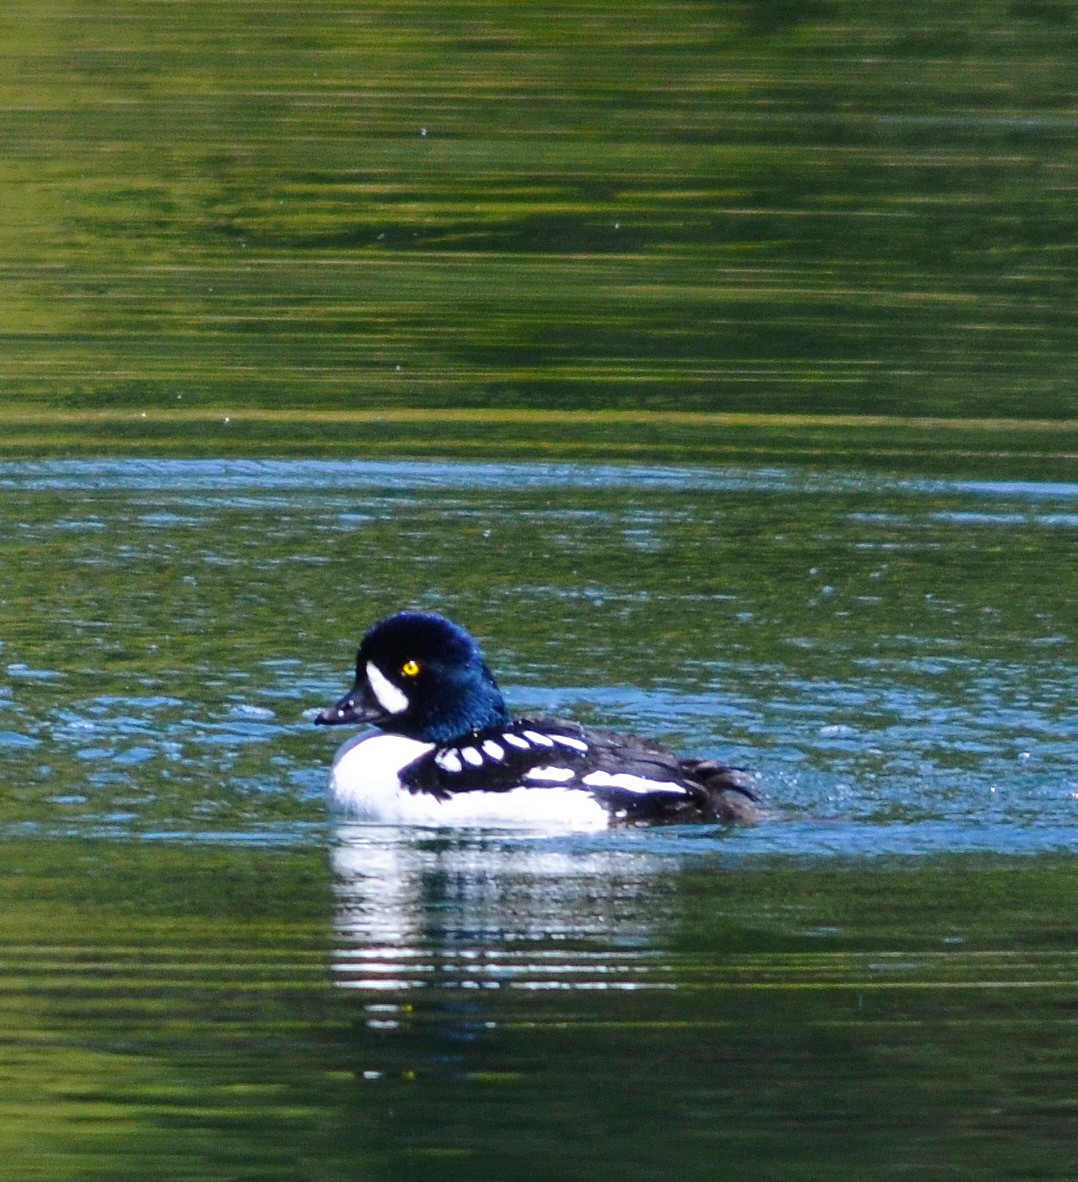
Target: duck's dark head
[(420, 675)]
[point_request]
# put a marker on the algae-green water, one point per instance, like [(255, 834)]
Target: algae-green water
[(247, 229)]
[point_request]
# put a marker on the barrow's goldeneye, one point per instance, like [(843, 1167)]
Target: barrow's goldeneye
[(447, 751)]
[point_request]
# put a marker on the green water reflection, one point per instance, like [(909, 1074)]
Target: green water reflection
[(745, 207), (193, 1012)]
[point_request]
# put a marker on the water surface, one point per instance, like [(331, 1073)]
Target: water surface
[(756, 233), (888, 653)]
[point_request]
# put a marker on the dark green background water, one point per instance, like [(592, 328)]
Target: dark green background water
[(809, 206)]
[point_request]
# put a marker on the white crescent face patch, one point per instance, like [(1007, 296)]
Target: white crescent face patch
[(390, 698)]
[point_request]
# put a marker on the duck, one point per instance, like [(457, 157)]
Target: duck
[(446, 751)]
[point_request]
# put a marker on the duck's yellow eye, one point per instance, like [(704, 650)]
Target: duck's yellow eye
[(410, 668)]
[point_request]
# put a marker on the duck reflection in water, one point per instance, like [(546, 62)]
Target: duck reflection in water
[(476, 911), (446, 937)]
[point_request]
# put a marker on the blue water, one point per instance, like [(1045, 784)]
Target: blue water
[(894, 658)]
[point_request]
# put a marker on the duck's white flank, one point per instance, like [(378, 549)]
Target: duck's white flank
[(365, 785)]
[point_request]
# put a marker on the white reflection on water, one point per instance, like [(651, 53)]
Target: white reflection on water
[(483, 911)]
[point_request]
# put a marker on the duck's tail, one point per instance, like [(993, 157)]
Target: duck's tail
[(731, 791)]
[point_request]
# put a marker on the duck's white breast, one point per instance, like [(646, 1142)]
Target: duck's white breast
[(365, 784)]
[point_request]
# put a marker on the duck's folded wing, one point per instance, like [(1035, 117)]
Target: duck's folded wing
[(634, 779), (535, 752), (639, 780)]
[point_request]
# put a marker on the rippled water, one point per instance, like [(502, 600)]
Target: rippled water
[(894, 658), (202, 977)]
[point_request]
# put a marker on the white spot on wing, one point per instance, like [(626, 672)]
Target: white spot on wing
[(566, 741), (472, 756), (540, 740), (493, 750), (390, 698), (630, 783), (448, 761), (517, 741), (551, 775)]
